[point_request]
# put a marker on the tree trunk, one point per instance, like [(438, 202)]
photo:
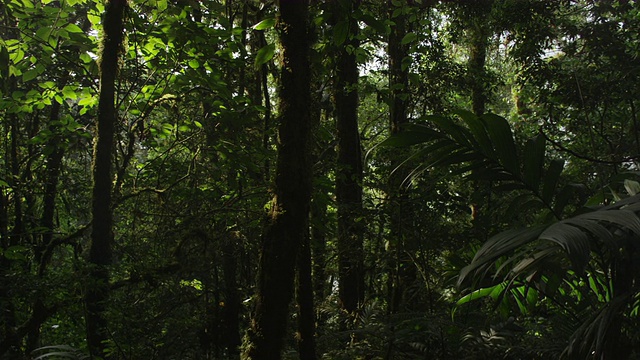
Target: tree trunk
[(477, 58), (349, 166), (102, 217), (319, 246), (306, 319), (231, 312), (287, 223), (398, 198), (478, 41)]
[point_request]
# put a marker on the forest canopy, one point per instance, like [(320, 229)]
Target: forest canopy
[(341, 179)]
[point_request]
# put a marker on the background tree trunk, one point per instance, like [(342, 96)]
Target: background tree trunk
[(100, 256), (398, 198), (349, 166), (288, 217)]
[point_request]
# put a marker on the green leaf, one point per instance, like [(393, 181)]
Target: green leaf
[(632, 187), (376, 24), (572, 240), (551, 179), (16, 55), (30, 74), (265, 24), (86, 58), (534, 152), (73, 28), (498, 246), (15, 252), (499, 131), (43, 32), (194, 64), (478, 132), (410, 37), (340, 32), (265, 54), (449, 127), (492, 291)]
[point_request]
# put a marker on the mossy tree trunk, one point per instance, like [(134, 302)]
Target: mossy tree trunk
[(398, 198), (100, 253), (349, 166), (287, 223)]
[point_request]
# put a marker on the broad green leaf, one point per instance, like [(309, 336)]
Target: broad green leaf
[(632, 187), (410, 137), (70, 92), (456, 157), (265, 54), (86, 58), (162, 5), (30, 74), (410, 37), (572, 240), (340, 32), (498, 246), (623, 218), (43, 33), (194, 64), (16, 55), (376, 24), (478, 132), (15, 252), (452, 129), (265, 24), (73, 28), (533, 159), (480, 293), (499, 131), (551, 179)]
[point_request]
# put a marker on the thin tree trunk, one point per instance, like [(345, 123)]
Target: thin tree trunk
[(478, 42), (100, 256), (306, 319), (231, 311), (477, 58), (319, 246), (288, 218), (398, 198), (349, 166)]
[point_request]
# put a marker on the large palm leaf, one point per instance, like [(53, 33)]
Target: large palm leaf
[(597, 247)]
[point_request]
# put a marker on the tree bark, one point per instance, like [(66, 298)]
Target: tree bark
[(477, 59), (231, 312), (349, 166), (398, 198), (287, 222), (306, 316), (100, 256)]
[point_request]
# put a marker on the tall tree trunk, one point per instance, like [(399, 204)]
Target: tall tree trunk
[(398, 198), (306, 317), (52, 172), (477, 58), (349, 166), (288, 217), (478, 42), (319, 246), (231, 311), (97, 291)]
